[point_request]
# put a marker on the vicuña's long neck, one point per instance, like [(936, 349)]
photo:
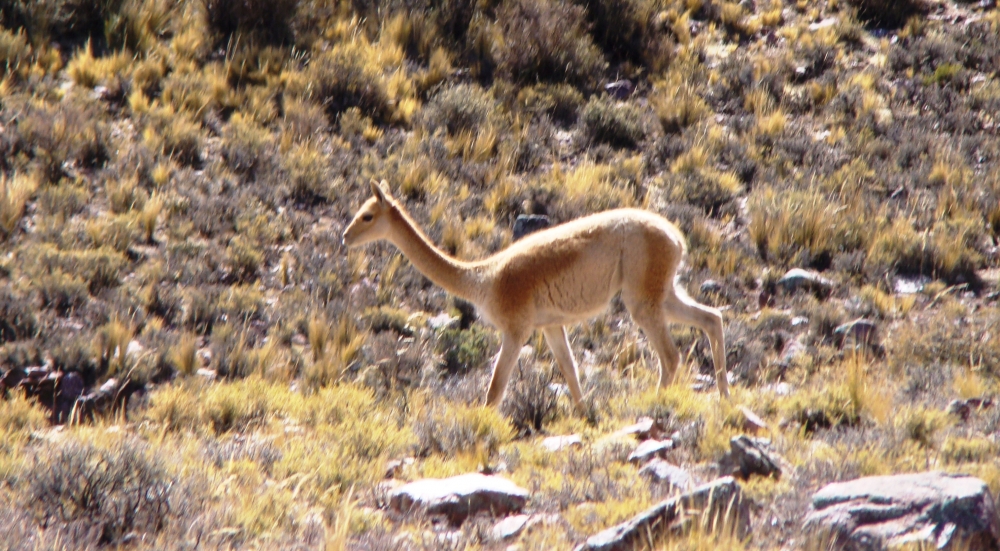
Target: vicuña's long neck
[(455, 276)]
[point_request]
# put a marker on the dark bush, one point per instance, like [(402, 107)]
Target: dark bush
[(615, 123), (531, 401), (547, 40), (628, 31), (58, 20), (73, 132), (17, 317), (110, 492), (251, 20), (890, 14)]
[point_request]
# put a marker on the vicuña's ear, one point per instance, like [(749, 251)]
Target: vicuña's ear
[(378, 192)]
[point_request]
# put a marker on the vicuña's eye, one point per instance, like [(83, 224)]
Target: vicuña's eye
[(367, 218)]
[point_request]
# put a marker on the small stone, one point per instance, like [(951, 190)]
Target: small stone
[(749, 456), (963, 408), (510, 527), (460, 497), (862, 331), (711, 286), (643, 429), (650, 449), (556, 443), (797, 278), (207, 374), (441, 321), (529, 223), (752, 423), (393, 468), (661, 471), (620, 89)]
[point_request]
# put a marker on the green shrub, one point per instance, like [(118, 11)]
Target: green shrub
[(464, 107), (111, 491), (451, 429), (244, 259), (71, 132), (465, 349), (345, 77), (615, 123), (17, 316), (546, 40), (562, 102), (60, 291), (247, 147), (14, 50), (308, 174)]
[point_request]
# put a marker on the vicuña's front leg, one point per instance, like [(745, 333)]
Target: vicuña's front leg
[(510, 347), (559, 343)]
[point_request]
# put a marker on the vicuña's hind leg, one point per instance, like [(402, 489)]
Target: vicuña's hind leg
[(682, 309), (510, 347), (559, 343), (654, 323)]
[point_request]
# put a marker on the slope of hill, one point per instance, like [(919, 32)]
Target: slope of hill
[(175, 178)]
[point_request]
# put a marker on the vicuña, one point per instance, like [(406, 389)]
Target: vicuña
[(561, 275)]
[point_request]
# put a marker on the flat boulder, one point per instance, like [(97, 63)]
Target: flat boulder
[(649, 449), (662, 472), (716, 506), (460, 497), (941, 510)]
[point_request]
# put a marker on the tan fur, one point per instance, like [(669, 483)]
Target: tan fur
[(559, 276)]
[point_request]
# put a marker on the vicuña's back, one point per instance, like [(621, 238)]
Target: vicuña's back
[(557, 276), (570, 272)]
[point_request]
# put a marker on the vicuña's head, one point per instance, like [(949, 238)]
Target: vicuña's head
[(371, 223)]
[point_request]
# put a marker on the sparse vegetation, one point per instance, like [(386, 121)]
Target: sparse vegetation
[(174, 180)]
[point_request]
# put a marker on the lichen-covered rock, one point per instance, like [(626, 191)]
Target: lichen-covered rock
[(945, 511), (460, 497), (717, 506)]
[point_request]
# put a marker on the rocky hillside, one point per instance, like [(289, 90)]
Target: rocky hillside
[(189, 357)]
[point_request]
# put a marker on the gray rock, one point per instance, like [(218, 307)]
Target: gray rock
[(798, 279), (861, 331), (945, 511), (510, 527), (529, 223), (556, 443), (620, 89), (717, 506), (661, 471), (747, 457), (649, 449), (711, 286), (964, 408), (644, 428), (460, 497)]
